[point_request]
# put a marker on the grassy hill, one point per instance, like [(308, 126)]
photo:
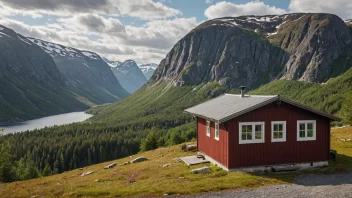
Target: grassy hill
[(149, 178), (333, 96)]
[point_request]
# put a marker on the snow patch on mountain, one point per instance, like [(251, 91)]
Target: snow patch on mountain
[(148, 69), (54, 50)]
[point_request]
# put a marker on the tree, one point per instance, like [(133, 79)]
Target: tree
[(46, 170), (150, 142), (7, 173)]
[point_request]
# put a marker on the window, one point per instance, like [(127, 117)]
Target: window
[(278, 131), (208, 128), (306, 130), (216, 131), (251, 132)]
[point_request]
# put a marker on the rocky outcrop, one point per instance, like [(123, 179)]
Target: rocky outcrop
[(87, 74), (129, 75), (254, 50), (31, 86)]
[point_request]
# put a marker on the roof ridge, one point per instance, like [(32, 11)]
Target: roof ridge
[(251, 95)]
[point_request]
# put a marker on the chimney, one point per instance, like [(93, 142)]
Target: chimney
[(242, 90)]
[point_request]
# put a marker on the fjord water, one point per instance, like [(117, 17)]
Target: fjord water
[(61, 119)]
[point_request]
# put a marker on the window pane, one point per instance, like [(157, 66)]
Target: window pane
[(244, 137), (310, 126), (310, 133), (258, 135), (249, 136), (280, 127), (243, 128), (302, 127), (280, 134), (258, 128), (276, 128), (249, 128), (302, 134), (276, 135)]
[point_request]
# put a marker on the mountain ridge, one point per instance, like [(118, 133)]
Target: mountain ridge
[(254, 50)]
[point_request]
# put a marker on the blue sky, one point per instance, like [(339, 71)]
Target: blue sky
[(143, 30)]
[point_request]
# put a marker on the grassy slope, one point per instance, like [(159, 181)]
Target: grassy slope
[(151, 179), (332, 97), (156, 105)]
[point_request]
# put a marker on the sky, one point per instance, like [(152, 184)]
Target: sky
[(142, 30)]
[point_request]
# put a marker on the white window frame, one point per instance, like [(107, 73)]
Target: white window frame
[(253, 141), (283, 139), (217, 131), (306, 131), (208, 128)]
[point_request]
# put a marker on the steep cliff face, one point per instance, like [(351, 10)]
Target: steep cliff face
[(129, 75), (253, 50), (88, 75), (31, 86)]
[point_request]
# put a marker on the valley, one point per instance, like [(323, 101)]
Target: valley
[(305, 57)]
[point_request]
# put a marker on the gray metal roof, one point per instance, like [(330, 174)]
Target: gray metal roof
[(229, 106)]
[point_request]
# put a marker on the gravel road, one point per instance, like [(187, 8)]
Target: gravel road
[(334, 186)]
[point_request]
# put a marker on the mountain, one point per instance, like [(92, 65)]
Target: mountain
[(129, 75), (111, 63), (254, 50), (148, 69), (31, 85), (87, 74), (221, 54)]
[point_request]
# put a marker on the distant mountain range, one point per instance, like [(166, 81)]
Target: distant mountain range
[(40, 78), (130, 75), (148, 69)]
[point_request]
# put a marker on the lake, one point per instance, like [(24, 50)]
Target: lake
[(61, 119)]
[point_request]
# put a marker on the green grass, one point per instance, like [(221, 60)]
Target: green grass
[(333, 97), (149, 178)]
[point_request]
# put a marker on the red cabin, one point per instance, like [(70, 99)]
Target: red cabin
[(258, 133)]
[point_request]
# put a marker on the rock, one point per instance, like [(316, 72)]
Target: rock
[(125, 163), (110, 165), (139, 159), (87, 173), (166, 165), (348, 140), (203, 170), (99, 180), (191, 147)]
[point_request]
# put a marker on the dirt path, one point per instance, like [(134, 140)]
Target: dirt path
[(337, 185)]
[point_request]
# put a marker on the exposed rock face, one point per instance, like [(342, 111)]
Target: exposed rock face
[(129, 75), (88, 75), (253, 50), (31, 86), (148, 69)]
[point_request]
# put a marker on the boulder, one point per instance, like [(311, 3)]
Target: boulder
[(139, 159), (166, 165), (189, 147), (110, 165), (203, 170), (86, 173)]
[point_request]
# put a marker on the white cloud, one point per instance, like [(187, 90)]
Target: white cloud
[(341, 8), (146, 9), (208, 1), (37, 8), (143, 9), (224, 8), (92, 23)]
